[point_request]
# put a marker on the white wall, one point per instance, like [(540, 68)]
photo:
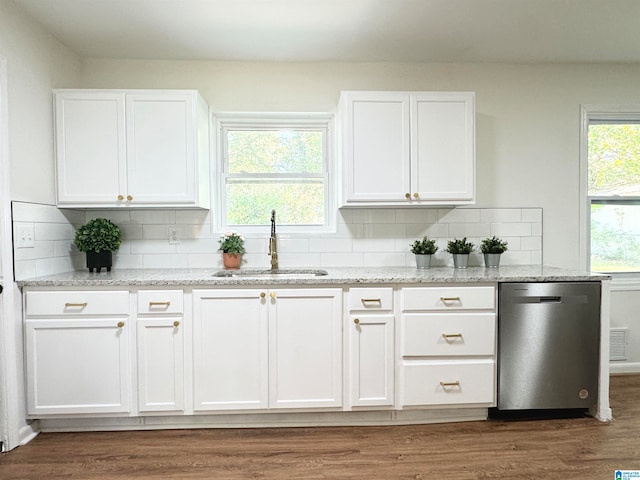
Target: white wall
[(35, 63), (527, 115)]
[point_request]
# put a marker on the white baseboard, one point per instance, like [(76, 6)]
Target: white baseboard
[(28, 433), (624, 367)]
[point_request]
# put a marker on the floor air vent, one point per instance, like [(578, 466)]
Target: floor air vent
[(618, 344)]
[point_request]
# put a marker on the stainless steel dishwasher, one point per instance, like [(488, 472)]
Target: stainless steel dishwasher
[(548, 345)]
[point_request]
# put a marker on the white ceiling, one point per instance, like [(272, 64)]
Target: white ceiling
[(521, 31)]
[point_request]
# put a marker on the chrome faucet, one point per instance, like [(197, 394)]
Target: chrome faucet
[(273, 242)]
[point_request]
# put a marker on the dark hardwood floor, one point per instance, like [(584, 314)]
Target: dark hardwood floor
[(578, 448)]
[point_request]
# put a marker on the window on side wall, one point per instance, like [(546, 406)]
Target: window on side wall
[(280, 163), (613, 192)]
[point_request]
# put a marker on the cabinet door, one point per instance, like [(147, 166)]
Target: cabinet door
[(77, 366), (305, 348), (372, 362), (160, 364), (90, 148), (376, 147), (230, 349), (161, 158), (443, 147)]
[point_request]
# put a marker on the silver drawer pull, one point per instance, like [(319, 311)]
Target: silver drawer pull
[(450, 336), (75, 305), (446, 385), (159, 304)]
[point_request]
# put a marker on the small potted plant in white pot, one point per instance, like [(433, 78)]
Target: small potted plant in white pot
[(492, 248), (460, 249), (424, 250), (98, 238), (232, 247)]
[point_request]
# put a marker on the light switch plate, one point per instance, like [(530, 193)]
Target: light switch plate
[(26, 236)]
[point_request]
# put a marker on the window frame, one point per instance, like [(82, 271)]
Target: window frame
[(267, 121), (591, 114)]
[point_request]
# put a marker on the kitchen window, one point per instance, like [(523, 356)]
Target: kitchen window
[(613, 191), (275, 162)]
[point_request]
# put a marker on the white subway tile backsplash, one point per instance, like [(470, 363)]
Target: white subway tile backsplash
[(165, 261), (502, 215), (536, 229), (329, 245), (131, 232), (531, 243), (193, 217), (375, 215), (32, 212), (460, 230), (376, 237), (149, 217), (40, 250), (152, 246), (341, 260), (384, 230), (383, 259), (126, 260), (119, 217), (459, 215), (533, 215), (435, 230), (73, 217), (511, 229), (379, 245), (53, 231), (420, 215)]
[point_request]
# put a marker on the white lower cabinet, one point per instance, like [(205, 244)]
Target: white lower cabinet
[(252, 350), (230, 349), (256, 349), (160, 351), (305, 348), (448, 346), (370, 328), (77, 362), (78, 366)]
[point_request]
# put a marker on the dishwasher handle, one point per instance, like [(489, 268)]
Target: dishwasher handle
[(551, 299)]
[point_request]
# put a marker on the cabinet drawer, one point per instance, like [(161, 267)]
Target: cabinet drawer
[(448, 383), (77, 302), (160, 302), (448, 334), (448, 298), (370, 299)]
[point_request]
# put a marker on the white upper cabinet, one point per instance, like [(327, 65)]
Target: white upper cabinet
[(408, 148), (138, 148)]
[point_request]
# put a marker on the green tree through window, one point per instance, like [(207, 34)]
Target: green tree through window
[(614, 196), (281, 166)]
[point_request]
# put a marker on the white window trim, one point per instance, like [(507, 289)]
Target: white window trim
[(589, 113), (221, 120)]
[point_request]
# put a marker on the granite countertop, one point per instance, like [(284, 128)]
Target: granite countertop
[(336, 276)]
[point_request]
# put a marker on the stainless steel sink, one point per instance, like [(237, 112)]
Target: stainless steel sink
[(281, 273)]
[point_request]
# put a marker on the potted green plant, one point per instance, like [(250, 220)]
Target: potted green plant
[(423, 250), (492, 248), (98, 239), (232, 248), (460, 249)]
